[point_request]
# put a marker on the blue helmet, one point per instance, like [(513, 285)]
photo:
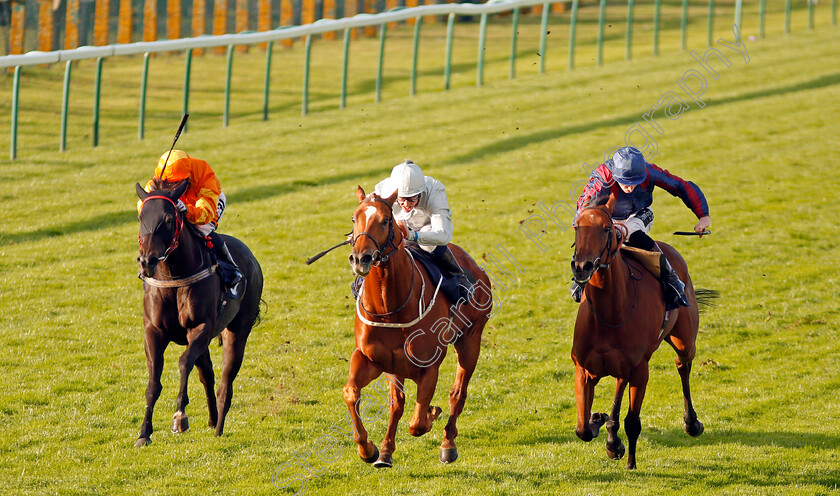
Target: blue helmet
[(628, 166)]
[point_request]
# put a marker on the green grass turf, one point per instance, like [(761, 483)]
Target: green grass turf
[(765, 381)]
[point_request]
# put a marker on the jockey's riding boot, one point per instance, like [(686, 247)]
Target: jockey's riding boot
[(577, 291), (674, 288), (228, 269), (356, 286), (466, 280)]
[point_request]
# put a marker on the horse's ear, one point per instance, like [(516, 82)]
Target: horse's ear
[(141, 192), (391, 199), (360, 193), (179, 190), (611, 203)]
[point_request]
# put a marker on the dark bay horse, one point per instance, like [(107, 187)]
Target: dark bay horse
[(182, 303), (403, 326), (619, 326)]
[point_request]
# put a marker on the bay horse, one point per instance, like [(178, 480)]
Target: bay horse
[(403, 326), (621, 321), (182, 303)]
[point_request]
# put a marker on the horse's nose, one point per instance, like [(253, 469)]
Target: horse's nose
[(583, 268), (361, 263)]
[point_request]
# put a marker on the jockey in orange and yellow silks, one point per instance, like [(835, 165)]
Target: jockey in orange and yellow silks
[(203, 204), (202, 197)]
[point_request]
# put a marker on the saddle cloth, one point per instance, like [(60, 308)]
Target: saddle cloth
[(449, 286), (650, 259)]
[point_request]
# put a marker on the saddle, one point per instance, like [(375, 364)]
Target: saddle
[(449, 286), (225, 269), (649, 259)]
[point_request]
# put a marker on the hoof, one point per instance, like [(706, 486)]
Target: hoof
[(694, 429), (180, 423), (143, 441), (598, 419), (384, 461), (373, 457), (615, 452), (435, 412), (448, 455)]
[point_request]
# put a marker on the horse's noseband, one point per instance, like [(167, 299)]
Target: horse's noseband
[(179, 225)]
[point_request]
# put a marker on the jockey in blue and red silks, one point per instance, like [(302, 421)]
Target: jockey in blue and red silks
[(632, 180)]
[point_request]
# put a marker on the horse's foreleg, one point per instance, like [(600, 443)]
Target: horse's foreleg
[(362, 373), (615, 448), (588, 426), (234, 353), (197, 340), (396, 407), (424, 414), (208, 379), (632, 423), (154, 361), (685, 357), (467, 347)]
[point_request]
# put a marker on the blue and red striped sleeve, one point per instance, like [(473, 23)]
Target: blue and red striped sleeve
[(687, 191), (599, 184)]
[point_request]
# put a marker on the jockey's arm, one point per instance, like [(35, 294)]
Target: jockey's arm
[(439, 230), (204, 210)]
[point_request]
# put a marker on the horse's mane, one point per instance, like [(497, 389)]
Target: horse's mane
[(160, 184), (596, 201)]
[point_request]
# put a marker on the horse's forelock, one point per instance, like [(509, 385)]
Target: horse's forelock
[(159, 184)]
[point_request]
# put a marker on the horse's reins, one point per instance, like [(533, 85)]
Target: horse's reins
[(422, 313), (621, 235), (379, 258), (179, 225)]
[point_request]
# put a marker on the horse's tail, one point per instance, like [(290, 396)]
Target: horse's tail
[(257, 317), (706, 298)]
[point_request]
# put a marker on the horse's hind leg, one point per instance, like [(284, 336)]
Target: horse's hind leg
[(155, 346), (208, 379), (467, 347), (234, 352), (615, 448), (396, 405), (682, 340)]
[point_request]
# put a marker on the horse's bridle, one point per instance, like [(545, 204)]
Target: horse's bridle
[(179, 225), (620, 234), (378, 256)]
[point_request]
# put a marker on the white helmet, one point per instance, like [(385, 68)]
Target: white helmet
[(408, 178)]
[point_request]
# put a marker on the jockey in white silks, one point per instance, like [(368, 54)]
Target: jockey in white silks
[(423, 209)]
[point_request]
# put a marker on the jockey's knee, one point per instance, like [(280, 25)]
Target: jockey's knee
[(640, 239)]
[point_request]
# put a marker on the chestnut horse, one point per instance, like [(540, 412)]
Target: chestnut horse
[(620, 323), (182, 303), (403, 327)]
